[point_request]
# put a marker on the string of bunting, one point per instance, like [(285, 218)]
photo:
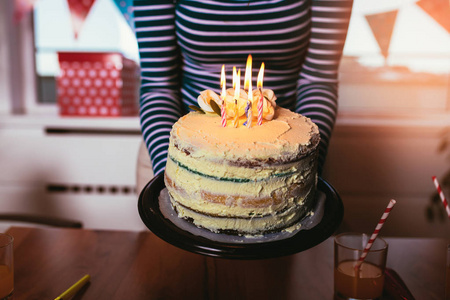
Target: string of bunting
[(381, 24), (79, 11)]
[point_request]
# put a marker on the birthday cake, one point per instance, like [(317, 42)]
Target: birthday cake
[(229, 176)]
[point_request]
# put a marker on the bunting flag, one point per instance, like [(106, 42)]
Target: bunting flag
[(439, 10), (79, 10), (126, 8), (22, 8), (382, 26)]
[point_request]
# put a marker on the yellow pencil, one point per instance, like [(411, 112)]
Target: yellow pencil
[(74, 288)]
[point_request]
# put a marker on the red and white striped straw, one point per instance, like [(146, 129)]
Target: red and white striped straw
[(441, 194), (375, 233)]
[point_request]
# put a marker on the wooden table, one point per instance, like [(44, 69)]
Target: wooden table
[(139, 265)]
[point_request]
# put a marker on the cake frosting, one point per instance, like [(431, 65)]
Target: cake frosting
[(244, 180)]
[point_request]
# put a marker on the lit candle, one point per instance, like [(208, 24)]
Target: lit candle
[(259, 85), (223, 96), (248, 86), (248, 109), (237, 91)]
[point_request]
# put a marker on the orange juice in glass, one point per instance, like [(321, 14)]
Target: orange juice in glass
[(365, 282), (6, 266)]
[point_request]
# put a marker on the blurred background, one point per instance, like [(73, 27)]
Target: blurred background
[(69, 130)]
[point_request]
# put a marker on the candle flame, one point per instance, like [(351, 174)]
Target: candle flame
[(234, 76), (223, 82), (250, 94), (248, 72), (237, 89), (259, 83)]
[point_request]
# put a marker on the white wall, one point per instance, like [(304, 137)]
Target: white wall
[(97, 170)]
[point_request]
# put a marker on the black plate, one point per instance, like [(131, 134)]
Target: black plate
[(152, 217)]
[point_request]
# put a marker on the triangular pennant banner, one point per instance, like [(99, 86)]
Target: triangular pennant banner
[(126, 8), (22, 8), (382, 26), (79, 10), (439, 10)]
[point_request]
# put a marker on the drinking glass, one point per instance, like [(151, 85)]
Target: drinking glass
[(6, 266), (365, 282)]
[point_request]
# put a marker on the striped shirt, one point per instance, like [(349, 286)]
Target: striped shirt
[(183, 45)]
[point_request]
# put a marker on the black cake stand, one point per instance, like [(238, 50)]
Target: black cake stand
[(151, 215)]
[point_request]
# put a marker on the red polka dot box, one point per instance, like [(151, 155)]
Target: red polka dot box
[(97, 84)]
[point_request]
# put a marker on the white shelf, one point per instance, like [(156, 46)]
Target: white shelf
[(52, 121)]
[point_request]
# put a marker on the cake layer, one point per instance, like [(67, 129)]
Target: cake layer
[(287, 138), (230, 171), (225, 197), (251, 225)]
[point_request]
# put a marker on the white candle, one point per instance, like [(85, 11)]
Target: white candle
[(223, 96)]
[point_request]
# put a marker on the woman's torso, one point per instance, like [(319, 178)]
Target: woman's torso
[(213, 33)]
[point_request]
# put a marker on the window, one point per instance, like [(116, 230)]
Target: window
[(105, 30), (414, 76)]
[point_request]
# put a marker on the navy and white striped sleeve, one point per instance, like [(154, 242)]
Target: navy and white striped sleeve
[(317, 91), (160, 99)]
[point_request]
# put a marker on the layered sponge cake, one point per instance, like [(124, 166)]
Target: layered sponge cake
[(244, 180)]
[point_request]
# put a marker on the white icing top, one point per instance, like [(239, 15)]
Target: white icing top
[(288, 135)]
